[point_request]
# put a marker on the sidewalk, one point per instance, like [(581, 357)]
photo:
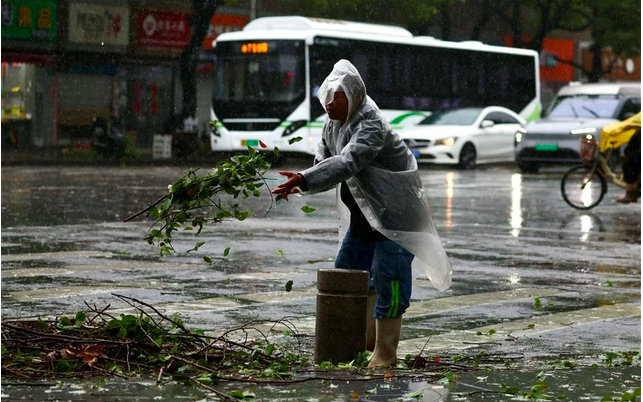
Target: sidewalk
[(71, 157)]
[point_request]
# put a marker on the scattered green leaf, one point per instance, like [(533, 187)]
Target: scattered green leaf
[(537, 303)]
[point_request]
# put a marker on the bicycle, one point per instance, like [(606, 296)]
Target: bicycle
[(584, 186)]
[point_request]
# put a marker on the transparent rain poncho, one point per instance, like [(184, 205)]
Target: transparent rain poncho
[(381, 174)]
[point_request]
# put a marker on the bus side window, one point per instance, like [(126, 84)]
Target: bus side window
[(360, 60), (322, 60)]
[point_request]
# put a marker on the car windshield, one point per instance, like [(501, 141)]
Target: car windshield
[(457, 117), (584, 106)]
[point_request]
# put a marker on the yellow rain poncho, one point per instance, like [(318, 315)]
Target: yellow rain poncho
[(616, 134)]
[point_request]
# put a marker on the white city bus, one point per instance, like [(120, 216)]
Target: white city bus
[(267, 75)]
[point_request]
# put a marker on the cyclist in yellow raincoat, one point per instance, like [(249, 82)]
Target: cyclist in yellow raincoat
[(614, 135)]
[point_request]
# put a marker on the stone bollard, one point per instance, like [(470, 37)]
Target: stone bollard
[(340, 329)]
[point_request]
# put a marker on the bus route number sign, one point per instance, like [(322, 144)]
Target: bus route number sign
[(261, 47)]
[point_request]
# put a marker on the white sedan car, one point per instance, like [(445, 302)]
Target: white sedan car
[(465, 137)]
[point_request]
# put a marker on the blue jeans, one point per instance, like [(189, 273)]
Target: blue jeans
[(389, 267)]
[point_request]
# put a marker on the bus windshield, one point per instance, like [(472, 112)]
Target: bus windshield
[(259, 72)]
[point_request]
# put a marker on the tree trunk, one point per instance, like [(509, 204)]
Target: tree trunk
[(445, 14), (484, 19), (596, 72), (202, 11), (516, 25)]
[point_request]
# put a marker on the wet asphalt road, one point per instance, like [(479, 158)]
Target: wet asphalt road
[(549, 281)]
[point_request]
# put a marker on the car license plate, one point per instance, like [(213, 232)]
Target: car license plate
[(249, 143), (415, 153), (547, 147)]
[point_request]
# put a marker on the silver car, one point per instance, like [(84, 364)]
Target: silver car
[(577, 110)]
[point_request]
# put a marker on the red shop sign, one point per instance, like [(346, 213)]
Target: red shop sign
[(162, 30), (220, 23)]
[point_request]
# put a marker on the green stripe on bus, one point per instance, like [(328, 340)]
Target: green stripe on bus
[(399, 119), (535, 114)]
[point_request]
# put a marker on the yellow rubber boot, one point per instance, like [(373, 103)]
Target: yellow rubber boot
[(370, 321), (387, 336)]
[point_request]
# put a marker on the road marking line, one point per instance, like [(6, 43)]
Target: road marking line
[(306, 325), (72, 269), (458, 340), (224, 303), (278, 296), (63, 291), (425, 307), (55, 255)]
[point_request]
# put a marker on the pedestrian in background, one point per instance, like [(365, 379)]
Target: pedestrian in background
[(388, 229)]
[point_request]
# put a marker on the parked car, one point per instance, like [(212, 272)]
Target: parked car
[(577, 109), (465, 137)]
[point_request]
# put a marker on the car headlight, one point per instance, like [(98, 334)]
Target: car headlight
[(446, 141), (519, 135), (583, 131)]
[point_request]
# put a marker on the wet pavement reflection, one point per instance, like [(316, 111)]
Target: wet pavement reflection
[(547, 279)]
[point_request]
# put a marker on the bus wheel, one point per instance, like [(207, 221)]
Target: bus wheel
[(467, 157)]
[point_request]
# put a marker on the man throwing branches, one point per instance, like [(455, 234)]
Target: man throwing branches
[(389, 231)]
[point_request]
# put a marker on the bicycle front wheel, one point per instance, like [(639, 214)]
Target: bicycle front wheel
[(581, 189)]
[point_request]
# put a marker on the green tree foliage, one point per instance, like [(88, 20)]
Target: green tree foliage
[(531, 21), (195, 201), (613, 24), (407, 13), (617, 25)]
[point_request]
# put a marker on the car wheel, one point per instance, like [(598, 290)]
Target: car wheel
[(526, 167), (467, 157)]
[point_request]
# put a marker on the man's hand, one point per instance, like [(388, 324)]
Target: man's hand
[(290, 186)]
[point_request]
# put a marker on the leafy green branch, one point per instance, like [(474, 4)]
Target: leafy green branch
[(195, 200)]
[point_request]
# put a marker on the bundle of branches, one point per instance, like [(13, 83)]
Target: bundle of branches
[(148, 343), (195, 200), (95, 342)]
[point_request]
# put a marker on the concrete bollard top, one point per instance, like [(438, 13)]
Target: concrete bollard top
[(342, 280)]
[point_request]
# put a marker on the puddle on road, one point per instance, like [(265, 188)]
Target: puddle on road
[(574, 384)]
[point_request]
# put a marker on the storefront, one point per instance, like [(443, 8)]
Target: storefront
[(148, 101), (67, 62), (155, 93), (29, 34), (97, 39)]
